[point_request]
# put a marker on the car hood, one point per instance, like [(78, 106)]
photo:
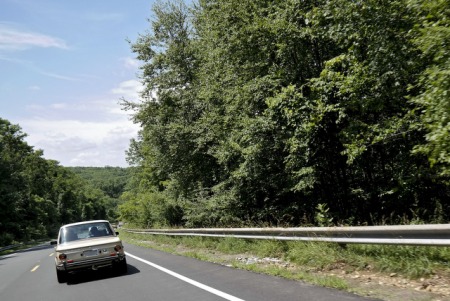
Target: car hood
[(83, 243)]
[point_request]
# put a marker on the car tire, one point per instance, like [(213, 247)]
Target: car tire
[(121, 267), (61, 276)]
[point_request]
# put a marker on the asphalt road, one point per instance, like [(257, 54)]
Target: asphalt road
[(152, 275)]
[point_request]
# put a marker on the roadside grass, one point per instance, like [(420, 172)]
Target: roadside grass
[(20, 246), (9, 251), (410, 261), (308, 261)]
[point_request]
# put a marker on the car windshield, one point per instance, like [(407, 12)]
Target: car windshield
[(84, 231)]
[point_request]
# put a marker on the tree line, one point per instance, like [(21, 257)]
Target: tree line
[(292, 112), (38, 195), (112, 181)]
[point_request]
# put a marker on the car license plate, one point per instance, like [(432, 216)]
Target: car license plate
[(89, 253)]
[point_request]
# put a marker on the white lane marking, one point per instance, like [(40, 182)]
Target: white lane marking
[(188, 280), (51, 254), (35, 268)]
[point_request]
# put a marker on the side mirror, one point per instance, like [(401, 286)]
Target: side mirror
[(117, 233), (53, 242)]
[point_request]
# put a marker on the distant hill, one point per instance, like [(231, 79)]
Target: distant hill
[(111, 180)]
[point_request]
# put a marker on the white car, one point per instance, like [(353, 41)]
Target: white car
[(88, 245)]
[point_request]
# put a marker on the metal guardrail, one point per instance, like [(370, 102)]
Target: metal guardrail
[(418, 235), (9, 247)]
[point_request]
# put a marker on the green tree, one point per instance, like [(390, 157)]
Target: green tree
[(13, 150), (167, 147), (38, 195), (432, 37), (270, 111)]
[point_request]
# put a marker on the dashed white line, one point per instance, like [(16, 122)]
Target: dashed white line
[(188, 280), (35, 268)]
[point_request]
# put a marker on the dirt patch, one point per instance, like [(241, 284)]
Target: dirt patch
[(389, 287), (393, 287)]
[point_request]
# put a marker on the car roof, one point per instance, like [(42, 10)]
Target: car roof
[(86, 222)]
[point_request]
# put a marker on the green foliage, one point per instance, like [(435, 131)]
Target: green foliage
[(209, 211), (323, 216), (432, 37), (107, 183), (414, 262), (144, 206), (37, 195), (259, 112), (111, 180)]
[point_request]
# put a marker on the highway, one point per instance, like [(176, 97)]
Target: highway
[(152, 275)]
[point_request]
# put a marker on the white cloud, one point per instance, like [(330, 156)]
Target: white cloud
[(58, 106), (93, 132), (129, 89), (130, 63), (77, 143), (34, 88), (102, 16), (58, 76), (14, 39)]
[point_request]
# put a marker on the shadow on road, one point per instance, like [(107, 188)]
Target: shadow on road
[(106, 273)]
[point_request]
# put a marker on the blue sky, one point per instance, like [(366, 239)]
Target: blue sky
[(65, 65)]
